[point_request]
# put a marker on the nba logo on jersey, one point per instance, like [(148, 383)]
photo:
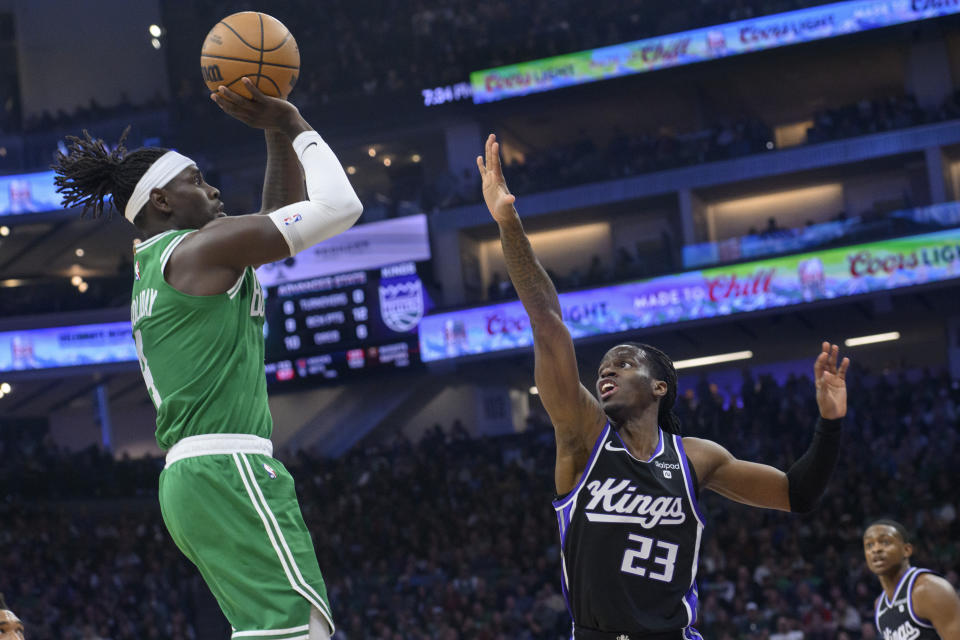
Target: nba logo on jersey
[(667, 474), (289, 220), (136, 270), (269, 470)]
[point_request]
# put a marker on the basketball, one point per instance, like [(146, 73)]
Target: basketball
[(253, 45)]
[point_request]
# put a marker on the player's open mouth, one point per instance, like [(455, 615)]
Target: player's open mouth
[(607, 389)]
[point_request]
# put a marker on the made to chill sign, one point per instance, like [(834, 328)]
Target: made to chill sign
[(708, 293)]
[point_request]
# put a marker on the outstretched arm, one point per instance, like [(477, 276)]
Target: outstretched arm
[(934, 599), (761, 485), (574, 411)]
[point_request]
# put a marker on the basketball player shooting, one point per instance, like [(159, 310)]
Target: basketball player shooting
[(197, 317), (627, 483), (916, 604)]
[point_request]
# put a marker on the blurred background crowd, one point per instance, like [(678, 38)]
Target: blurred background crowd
[(464, 542)]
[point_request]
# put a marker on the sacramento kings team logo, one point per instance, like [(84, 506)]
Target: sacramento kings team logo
[(401, 303)]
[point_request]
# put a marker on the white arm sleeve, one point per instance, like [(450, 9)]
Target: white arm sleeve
[(333, 206)]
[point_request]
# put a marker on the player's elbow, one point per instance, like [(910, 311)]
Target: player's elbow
[(352, 209), (546, 323), (345, 212), (803, 504)]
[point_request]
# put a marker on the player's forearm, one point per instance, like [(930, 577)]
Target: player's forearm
[(809, 476), (283, 179), (529, 278), (332, 206)]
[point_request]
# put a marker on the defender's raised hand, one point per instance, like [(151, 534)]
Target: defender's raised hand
[(260, 112), (831, 382), (495, 193)]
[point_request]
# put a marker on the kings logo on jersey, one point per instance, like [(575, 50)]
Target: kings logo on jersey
[(401, 304)]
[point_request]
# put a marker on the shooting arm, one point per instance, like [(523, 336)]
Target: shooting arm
[(283, 179)]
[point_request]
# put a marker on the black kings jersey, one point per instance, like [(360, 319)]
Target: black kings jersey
[(896, 619), (630, 541)]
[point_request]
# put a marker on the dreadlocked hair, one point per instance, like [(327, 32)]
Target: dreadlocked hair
[(87, 174), (661, 367)]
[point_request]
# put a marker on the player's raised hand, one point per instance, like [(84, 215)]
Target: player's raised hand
[(260, 112), (495, 193), (831, 382)]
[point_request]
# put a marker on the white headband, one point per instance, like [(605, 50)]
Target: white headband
[(159, 175)]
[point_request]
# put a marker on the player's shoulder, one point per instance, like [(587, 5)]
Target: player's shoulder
[(701, 447), (932, 595), (929, 583), (705, 455)]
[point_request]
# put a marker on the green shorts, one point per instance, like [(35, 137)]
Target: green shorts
[(236, 517)]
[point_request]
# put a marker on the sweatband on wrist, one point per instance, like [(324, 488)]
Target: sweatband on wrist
[(809, 476), (161, 172), (333, 206)]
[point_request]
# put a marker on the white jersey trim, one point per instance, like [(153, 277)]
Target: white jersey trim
[(913, 616), (151, 241), (165, 256)]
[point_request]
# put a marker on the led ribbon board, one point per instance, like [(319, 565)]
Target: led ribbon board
[(89, 344), (700, 45), (708, 293), (28, 193)]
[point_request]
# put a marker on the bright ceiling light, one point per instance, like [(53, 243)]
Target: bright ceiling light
[(79, 252), (372, 152), (351, 170), (83, 286), (387, 162), (76, 280), (877, 337), (534, 391), (4, 231), (5, 387), (155, 43), (717, 359), (155, 31), (415, 157)]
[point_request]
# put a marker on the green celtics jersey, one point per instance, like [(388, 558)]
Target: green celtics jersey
[(201, 356)]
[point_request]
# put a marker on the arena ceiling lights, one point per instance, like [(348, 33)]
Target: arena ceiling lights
[(708, 360), (877, 337)]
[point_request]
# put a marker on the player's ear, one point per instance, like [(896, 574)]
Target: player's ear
[(158, 198), (907, 550), (659, 388)]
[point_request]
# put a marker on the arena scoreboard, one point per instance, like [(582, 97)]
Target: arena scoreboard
[(338, 325)]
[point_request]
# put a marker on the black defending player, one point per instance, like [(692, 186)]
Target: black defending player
[(627, 483), (916, 604)]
